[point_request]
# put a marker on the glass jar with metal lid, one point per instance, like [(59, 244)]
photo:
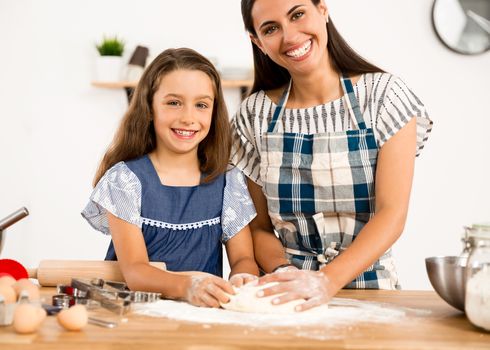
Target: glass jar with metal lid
[(477, 300)]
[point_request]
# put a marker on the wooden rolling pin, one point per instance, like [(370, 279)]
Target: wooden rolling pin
[(53, 272)]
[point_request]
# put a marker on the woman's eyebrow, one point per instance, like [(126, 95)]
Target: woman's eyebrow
[(291, 10)]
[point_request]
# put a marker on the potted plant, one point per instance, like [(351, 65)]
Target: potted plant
[(109, 63)]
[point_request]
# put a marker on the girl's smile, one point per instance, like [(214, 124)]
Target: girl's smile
[(185, 134)]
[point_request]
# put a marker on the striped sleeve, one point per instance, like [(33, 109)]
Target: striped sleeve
[(119, 193), (245, 153), (238, 208), (396, 108)]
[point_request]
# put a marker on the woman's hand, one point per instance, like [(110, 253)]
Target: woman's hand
[(239, 279), (313, 286), (208, 290), (285, 267)]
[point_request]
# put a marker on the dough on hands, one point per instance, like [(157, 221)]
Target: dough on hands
[(246, 300)]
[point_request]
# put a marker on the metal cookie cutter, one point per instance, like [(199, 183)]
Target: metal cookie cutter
[(123, 292), (113, 296), (106, 299), (63, 300), (69, 290)]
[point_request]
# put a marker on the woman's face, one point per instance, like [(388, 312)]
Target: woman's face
[(292, 33)]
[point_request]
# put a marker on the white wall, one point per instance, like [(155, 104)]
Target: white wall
[(54, 126)]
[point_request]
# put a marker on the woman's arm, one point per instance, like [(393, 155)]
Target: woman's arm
[(240, 253), (196, 287), (394, 176), (268, 249)]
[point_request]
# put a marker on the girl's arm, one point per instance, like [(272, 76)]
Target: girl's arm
[(196, 287), (240, 253), (269, 251), (394, 176)]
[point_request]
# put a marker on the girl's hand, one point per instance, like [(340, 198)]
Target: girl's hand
[(313, 286), (239, 279), (208, 290)]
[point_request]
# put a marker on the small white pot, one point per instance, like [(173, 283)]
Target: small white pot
[(108, 68)]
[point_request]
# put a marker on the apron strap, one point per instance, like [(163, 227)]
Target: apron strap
[(350, 99), (279, 108), (352, 102)]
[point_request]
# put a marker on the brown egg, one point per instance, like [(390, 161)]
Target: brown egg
[(8, 293), (41, 313), (7, 280), (25, 284), (74, 318), (28, 318)]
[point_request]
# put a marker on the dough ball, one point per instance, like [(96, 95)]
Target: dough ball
[(246, 300)]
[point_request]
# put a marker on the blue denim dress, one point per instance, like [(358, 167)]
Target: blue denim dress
[(182, 226)]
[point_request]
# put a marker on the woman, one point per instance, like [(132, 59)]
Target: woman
[(328, 143)]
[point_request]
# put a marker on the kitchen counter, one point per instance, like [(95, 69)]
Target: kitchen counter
[(434, 325)]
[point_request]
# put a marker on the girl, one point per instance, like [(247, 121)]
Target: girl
[(162, 190), (328, 143)]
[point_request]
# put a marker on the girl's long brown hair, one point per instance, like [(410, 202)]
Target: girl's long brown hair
[(136, 136), (269, 75)]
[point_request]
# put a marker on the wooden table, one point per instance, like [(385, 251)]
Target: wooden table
[(442, 328)]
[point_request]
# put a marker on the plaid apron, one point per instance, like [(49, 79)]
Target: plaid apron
[(320, 191)]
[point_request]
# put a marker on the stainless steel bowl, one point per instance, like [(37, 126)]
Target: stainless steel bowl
[(447, 274)]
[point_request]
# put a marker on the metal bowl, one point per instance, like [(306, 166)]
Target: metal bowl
[(447, 274)]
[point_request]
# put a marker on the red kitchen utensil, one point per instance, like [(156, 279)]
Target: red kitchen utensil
[(13, 268)]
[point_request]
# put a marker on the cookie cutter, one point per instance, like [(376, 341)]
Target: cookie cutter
[(63, 300), (122, 291), (69, 290), (113, 296)]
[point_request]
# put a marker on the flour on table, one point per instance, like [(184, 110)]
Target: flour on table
[(246, 300), (340, 312)]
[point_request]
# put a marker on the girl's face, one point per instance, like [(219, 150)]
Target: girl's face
[(182, 110), (292, 33)]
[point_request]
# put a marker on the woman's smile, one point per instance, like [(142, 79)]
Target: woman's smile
[(301, 51)]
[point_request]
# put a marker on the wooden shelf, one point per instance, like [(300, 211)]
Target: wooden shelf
[(115, 84), (132, 84)]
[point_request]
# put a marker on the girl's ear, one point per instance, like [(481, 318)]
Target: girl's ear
[(256, 41)]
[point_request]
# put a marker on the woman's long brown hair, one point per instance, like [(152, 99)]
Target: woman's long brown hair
[(268, 75), (136, 136)]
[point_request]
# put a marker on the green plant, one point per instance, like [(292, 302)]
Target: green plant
[(110, 46)]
